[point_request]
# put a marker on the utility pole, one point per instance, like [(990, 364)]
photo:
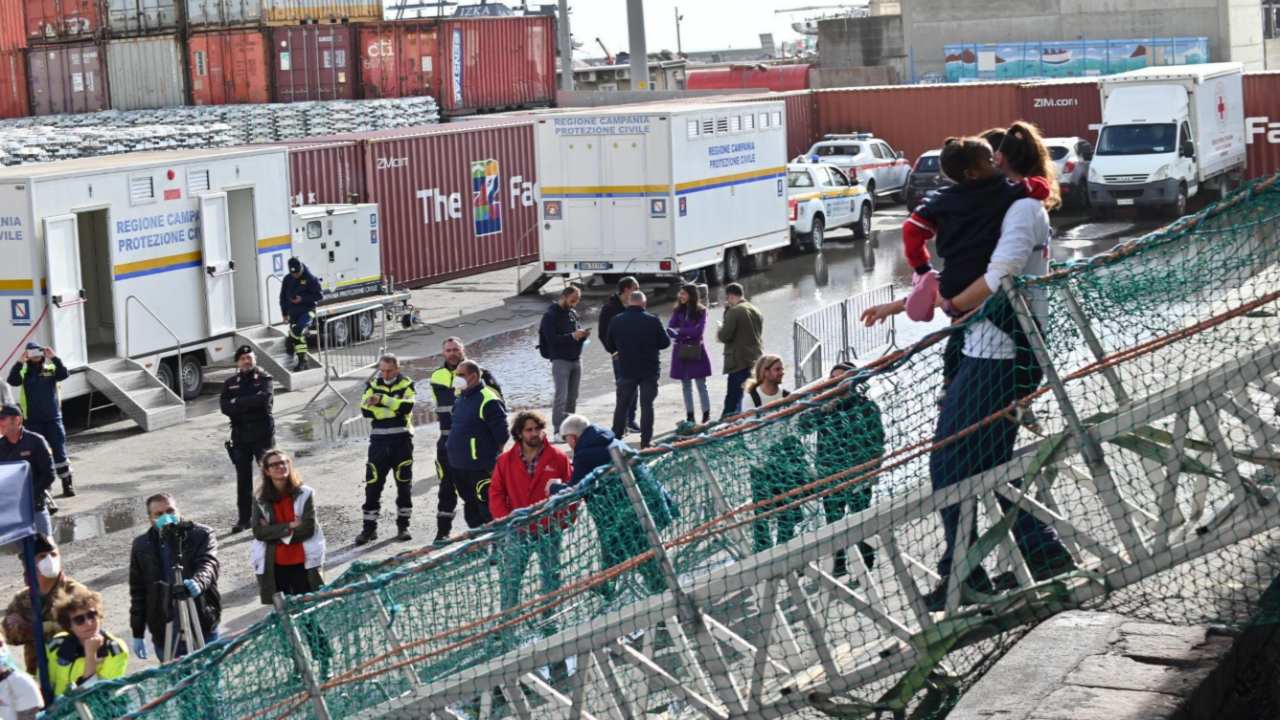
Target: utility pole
[(679, 47), (639, 54), (566, 48)]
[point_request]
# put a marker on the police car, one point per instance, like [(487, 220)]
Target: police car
[(882, 170), (821, 196)]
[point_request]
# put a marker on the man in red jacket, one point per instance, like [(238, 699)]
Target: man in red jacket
[(528, 473)]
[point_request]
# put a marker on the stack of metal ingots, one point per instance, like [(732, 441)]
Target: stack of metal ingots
[(60, 137)]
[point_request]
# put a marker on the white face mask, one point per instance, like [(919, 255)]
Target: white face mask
[(49, 566), (459, 384)]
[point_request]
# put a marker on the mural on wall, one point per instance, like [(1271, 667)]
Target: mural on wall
[(1069, 58)]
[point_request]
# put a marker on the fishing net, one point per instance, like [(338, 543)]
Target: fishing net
[(794, 561)]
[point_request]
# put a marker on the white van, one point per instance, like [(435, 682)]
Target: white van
[(1168, 133), (663, 190)]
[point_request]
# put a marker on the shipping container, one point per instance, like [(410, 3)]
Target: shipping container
[(325, 172), (916, 118), (1064, 108), (127, 18), (312, 62), (228, 67), (1262, 122), (13, 84), (292, 12), (223, 13), (496, 63), (58, 20), (777, 78), (801, 130), (397, 59), (67, 79), (13, 29), (146, 72), (455, 199)]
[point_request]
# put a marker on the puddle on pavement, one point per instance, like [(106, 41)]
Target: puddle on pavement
[(115, 516)]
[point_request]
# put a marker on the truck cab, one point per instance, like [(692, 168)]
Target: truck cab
[(1166, 134)]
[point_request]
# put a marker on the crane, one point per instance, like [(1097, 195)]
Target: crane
[(807, 8), (608, 56)]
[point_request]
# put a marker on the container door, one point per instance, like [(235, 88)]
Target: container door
[(66, 292), (220, 291)]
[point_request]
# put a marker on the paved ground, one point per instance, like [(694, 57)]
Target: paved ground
[(117, 466)]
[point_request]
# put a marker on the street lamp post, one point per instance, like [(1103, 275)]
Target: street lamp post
[(679, 46)]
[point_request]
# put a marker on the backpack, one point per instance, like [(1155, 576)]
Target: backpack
[(544, 347)]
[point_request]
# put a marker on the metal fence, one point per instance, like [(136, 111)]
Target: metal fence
[(353, 342), (835, 333)]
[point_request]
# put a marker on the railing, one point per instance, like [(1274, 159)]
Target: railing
[(279, 281), (177, 342), (346, 345), (835, 333)]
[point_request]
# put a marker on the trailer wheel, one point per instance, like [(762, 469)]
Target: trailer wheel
[(338, 333), (165, 375), (732, 265), (192, 377), (714, 273), (365, 324)]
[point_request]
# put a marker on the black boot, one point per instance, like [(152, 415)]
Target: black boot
[(444, 528), (688, 418), (302, 364), (706, 416), (368, 534), (67, 490), (402, 532)]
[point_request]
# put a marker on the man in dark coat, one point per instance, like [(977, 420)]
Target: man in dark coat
[(611, 309), (37, 376), (560, 339), (300, 293), (639, 338), (247, 399), (172, 541), (20, 444)]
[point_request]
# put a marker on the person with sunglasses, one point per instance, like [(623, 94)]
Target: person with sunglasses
[(288, 545), (84, 653)]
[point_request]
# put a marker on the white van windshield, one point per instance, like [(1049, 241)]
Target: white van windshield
[(1138, 139)]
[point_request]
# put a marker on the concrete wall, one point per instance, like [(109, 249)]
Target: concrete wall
[(828, 77), (858, 42), (1234, 27)]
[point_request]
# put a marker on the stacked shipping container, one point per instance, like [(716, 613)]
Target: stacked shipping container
[(229, 67), (432, 185), (13, 40), (312, 62)]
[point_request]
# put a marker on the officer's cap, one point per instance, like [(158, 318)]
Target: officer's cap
[(10, 410), (295, 265), (34, 346), (242, 351)]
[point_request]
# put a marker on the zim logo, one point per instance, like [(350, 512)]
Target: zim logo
[(392, 163), (1042, 102)]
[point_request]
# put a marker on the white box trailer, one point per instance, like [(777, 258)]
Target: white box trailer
[(664, 189), (118, 261), (1168, 133), (339, 243)]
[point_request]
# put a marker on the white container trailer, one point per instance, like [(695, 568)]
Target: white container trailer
[(117, 261), (1168, 133), (665, 189)]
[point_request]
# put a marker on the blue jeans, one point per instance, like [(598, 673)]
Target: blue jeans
[(980, 388), (687, 386), (733, 395)]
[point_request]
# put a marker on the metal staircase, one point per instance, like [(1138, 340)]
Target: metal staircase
[(137, 392), (268, 344)]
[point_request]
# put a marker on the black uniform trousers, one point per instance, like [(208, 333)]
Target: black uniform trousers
[(246, 455), (389, 455), (447, 498), (473, 487)]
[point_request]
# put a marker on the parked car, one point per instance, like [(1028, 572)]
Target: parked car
[(882, 170), (926, 177), (1072, 155), (821, 196)]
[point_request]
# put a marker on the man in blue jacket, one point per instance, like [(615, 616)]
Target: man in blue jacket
[(300, 293), (477, 436), (37, 376), (638, 338), (560, 339)]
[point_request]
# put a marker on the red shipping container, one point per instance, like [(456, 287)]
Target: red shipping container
[(778, 78), (916, 118), (13, 33), (397, 60), (313, 62), (229, 67), (490, 64), (67, 79), (1262, 122), (324, 171), (53, 20), (1064, 108), (13, 84)]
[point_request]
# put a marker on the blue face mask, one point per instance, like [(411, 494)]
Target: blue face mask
[(165, 520)]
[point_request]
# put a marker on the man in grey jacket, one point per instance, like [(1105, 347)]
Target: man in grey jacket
[(742, 333)]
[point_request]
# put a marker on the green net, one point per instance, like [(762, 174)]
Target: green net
[(867, 546)]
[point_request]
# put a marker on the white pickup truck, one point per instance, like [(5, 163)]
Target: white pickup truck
[(821, 197)]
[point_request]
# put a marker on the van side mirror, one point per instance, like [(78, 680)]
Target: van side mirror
[(1188, 149)]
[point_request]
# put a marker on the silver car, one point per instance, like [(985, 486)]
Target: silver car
[(878, 167), (1072, 155)]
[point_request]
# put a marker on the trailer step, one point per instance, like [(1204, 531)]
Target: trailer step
[(137, 392), (532, 280), (268, 344)]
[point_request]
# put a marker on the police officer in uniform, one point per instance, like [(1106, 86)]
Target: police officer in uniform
[(37, 376), (300, 293), (247, 400), (388, 400), (478, 434), (18, 443), (444, 386)]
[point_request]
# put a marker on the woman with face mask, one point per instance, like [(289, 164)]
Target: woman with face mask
[(54, 587), (84, 653)]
